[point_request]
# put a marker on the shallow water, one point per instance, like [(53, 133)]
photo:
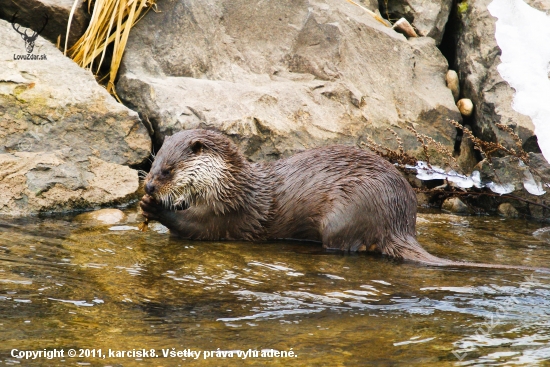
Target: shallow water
[(63, 286)]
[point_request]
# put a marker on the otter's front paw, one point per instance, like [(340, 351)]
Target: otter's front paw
[(150, 208)]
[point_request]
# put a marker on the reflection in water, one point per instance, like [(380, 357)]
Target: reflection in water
[(65, 285)]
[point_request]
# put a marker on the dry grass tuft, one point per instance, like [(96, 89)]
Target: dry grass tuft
[(110, 24), (394, 156), (400, 157), (427, 141), (488, 149)]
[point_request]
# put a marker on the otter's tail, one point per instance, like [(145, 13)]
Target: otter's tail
[(410, 250)]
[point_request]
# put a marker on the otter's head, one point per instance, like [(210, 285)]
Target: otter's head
[(195, 167)]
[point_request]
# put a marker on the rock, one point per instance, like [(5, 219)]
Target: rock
[(325, 73), (30, 14), (428, 17), (531, 184), (466, 159), (404, 27), (507, 210), (53, 110), (452, 83), (52, 104), (465, 106), (372, 5), (52, 181), (159, 228), (423, 200), (455, 205), (478, 57), (101, 217), (543, 234)]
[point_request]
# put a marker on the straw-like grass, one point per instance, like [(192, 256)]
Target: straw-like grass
[(110, 23), (370, 12)]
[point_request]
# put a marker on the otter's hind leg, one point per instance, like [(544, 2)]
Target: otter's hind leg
[(341, 231)]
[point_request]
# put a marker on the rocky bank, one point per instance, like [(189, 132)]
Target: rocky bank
[(277, 77), (66, 143)]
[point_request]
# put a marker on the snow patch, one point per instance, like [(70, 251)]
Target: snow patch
[(523, 35), (532, 187), (426, 172), (501, 188)]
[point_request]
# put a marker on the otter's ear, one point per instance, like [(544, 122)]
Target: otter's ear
[(197, 146)]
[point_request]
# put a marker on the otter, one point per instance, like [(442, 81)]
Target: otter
[(202, 187)]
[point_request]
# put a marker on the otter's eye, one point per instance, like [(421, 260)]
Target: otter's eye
[(166, 172)]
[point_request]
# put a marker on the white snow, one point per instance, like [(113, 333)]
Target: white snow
[(523, 35), (501, 188), (532, 187), (426, 172)]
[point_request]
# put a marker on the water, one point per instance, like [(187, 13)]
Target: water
[(67, 286)]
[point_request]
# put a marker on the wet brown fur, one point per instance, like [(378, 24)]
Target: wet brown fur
[(347, 198)]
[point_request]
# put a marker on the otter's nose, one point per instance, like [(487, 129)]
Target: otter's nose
[(149, 188)]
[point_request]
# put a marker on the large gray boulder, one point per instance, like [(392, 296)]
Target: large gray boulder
[(478, 57), (429, 17), (31, 13), (64, 141), (282, 76)]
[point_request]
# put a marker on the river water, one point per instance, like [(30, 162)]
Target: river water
[(65, 285)]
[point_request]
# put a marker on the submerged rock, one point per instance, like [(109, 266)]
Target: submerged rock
[(283, 76), (101, 217)]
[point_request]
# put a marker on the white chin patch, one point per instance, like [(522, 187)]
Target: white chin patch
[(204, 176)]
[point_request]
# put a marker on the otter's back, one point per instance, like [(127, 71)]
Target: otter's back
[(342, 187)]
